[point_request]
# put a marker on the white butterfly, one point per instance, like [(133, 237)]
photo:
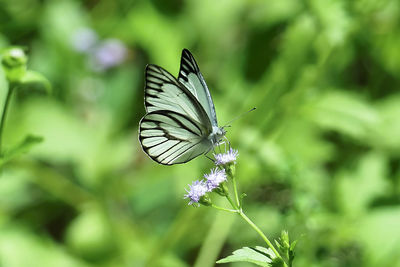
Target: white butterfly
[(180, 123)]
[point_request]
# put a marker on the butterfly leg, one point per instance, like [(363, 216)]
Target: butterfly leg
[(205, 154), (209, 158), (227, 141)]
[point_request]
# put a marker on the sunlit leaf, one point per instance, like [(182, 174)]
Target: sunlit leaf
[(20, 148), (33, 78), (259, 255)]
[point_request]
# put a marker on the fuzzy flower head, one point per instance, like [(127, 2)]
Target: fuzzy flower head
[(196, 191), (227, 157), (84, 39), (109, 53), (214, 179)]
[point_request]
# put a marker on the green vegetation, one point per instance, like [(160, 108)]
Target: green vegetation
[(319, 157)]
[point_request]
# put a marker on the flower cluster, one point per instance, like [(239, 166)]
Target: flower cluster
[(215, 178), (226, 158), (212, 181), (102, 54), (196, 190)]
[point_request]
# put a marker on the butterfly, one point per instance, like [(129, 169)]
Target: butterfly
[(180, 121)]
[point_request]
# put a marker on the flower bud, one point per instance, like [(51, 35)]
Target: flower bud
[(222, 189), (205, 200), (14, 63)]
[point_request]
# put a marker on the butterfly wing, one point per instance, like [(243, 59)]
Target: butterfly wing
[(164, 92), (176, 126), (191, 77), (169, 137)]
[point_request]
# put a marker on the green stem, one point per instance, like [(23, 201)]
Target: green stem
[(230, 170), (239, 210), (4, 114), (232, 203), (224, 209), (254, 226), (236, 191), (258, 230)]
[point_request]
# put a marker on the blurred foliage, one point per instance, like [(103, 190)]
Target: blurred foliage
[(320, 156)]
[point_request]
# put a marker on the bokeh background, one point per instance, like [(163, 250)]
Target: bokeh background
[(319, 157)]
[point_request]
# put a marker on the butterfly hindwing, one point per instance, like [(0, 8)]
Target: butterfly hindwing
[(191, 77), (169, 137)]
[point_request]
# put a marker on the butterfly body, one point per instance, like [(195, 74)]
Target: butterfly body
[(216, 135), (180, 123)]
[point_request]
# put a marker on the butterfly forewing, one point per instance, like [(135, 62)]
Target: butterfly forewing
[(164, 92), (191, 77)]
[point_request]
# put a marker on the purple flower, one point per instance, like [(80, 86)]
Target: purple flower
[(84, 39), (196, 190), (227, 157), (109, 53), (215, 177)]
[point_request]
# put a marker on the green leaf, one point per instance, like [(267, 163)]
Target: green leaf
[(21, 148), (37, 79), (367, 178), (346, 113), (258, 255)]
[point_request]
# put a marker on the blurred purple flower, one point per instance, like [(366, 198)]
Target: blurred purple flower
[(84, 39), (109, 53), (227, 157), (215, 177), (196, 190)]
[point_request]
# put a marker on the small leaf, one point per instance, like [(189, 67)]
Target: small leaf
[(293, 245), (21, 148), (277, 262), (35, 78), (281, 250), (258, 255), (286, 249), (285, 238), (243, 195)]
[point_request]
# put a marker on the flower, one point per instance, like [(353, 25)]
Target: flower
[(196, 191), (84, 39), (226, 158), (109, 53), (215, 177)]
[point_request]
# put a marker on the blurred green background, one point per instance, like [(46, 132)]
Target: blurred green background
[(319, 157)]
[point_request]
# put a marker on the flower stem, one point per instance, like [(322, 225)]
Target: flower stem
[(230, 171), (224, 209), (239, 210), (4, 114), (236, 192), (258, 230), (233, 204)]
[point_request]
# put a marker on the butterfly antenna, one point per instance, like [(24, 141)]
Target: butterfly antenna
[(237, 117), (209, 158)]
